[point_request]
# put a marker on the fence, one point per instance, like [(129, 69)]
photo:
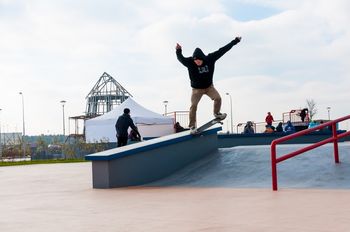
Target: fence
[(181, 117)]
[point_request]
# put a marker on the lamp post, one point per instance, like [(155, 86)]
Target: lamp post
[(24, 130), (165, 107), (231, 111), (329, 112), (64, 126)]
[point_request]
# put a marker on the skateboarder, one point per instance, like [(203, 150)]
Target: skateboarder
[(201, 69), (122, 125)]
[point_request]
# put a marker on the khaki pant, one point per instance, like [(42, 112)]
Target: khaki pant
[(196, 97)]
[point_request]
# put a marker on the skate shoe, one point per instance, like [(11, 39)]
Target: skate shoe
[(193, 130), (220, 116)]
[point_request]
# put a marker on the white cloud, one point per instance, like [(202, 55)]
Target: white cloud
[(54, 50)]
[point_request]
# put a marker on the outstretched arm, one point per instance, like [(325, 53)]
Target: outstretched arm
[(219, 53), (185, 61)]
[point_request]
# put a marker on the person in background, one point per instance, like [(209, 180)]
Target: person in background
[(269, 119), (178, 128), (279, 127), (312, 124), (269, 129), (248, 128), (303, 114), (289, 128), (122, 125), (134, 135)]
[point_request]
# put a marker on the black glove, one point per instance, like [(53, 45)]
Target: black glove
[(237, 40)]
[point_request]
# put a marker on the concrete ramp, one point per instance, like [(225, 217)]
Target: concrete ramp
[(250, 167), (147, 161)]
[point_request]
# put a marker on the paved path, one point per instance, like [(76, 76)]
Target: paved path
[(59, 197)]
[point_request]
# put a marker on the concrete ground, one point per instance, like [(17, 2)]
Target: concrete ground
[(59, 197)]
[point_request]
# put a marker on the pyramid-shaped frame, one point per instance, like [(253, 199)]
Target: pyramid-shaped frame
[(104, 96)]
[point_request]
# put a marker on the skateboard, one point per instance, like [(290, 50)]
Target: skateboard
[(207, 125)]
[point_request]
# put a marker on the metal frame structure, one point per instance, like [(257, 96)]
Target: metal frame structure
[(104, 96)]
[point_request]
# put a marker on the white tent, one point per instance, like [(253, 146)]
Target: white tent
[(149, 124)]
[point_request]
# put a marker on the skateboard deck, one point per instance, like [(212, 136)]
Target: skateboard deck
[(207, 125)]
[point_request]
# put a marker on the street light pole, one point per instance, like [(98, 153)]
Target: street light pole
[(64, 126), (24, 130), (329, 112), (165, 107), (231, 111)]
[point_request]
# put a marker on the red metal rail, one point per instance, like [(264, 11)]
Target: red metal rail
[(335, 137)]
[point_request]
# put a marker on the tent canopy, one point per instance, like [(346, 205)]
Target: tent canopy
[(103, 127), (138, 113)]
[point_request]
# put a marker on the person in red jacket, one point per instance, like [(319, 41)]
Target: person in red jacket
[(269, 119)]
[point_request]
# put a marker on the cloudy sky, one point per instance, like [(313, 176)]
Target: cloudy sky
[(56, 50)]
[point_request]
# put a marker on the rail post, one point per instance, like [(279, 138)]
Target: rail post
[(274, 166), (335, 143)]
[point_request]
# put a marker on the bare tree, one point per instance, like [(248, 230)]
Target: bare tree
[(311, 105)]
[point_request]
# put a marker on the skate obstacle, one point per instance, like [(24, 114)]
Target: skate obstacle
[(234, 140), (151, 160)]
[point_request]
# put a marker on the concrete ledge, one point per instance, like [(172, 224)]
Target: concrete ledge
[(147, 161), (232, 140)]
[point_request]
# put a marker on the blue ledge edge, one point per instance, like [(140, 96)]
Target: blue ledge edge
[(281, 134), (152, 144)]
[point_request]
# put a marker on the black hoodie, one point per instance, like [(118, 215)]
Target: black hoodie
[(202, 76), (122, 125)]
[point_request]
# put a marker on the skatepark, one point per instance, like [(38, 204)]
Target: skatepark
[(228, 190), (181, 182), (71, 69)]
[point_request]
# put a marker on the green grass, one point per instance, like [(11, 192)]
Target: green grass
[(13, 163)]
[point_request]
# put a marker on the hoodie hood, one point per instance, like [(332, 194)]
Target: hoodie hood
[(198, 53)]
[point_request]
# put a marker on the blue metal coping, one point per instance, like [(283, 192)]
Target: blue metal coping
[(135, 148), (223, 136)]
